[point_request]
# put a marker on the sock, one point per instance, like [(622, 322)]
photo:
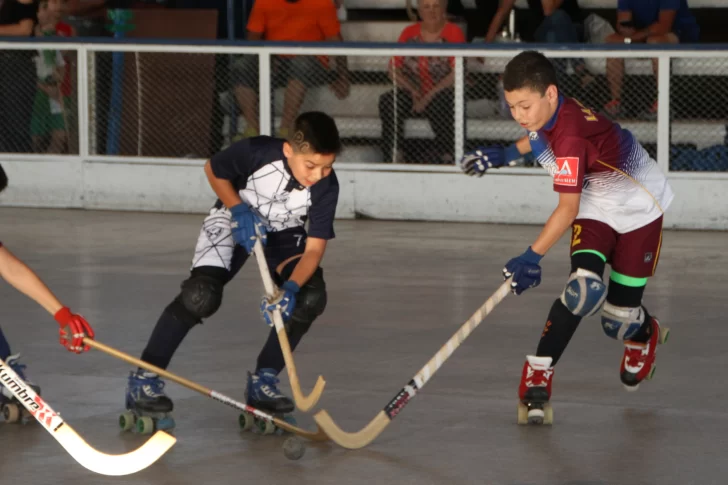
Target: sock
[(271, 356), (4, 346), (167, 335), (557, 333)]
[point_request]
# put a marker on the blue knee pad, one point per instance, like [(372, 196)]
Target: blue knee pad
[(584, 293), (621, 323)]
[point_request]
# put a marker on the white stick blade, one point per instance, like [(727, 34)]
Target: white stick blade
[(114, 465)]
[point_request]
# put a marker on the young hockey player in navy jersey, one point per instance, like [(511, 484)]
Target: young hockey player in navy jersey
[(274, 186), (613, 197), (73, 327)]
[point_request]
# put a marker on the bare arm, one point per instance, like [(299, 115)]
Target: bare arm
[(310, 260), (22, 29), (397, 76), (254, 35), (500, 16), (550, 6), (23, 279), (523, 145), (661, 27), (224, 189), (560, 220)]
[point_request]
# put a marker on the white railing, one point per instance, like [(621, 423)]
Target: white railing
[(472, 122)]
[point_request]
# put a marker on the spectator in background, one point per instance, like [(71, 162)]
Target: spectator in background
[(552, 22), (52, 97), (653, 22), (424, 85), (287, 20), (17, 77)]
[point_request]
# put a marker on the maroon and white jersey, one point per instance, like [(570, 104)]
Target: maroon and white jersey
[(587, 153)]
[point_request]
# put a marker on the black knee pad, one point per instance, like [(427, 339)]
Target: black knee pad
[(201, 295)]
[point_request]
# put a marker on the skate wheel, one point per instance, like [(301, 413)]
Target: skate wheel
[(11, 412), (266, 427), (522, 413), (246, 421), (664, 335), (127, 421), (145, 425), (651, 374), (166, 423), (548, 414)]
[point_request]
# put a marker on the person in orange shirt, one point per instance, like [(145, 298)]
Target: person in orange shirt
[(289, 20), (424, 85)]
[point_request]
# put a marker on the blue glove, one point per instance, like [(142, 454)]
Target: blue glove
[(243, 225), (525, 271), (285, 301), (479, 160)]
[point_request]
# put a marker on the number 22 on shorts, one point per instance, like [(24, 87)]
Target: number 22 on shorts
[(575, 240)]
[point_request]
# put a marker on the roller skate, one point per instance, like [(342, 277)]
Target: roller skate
[(147, 406), (262, 393), (638, 362), (12, 410), (535, 391)]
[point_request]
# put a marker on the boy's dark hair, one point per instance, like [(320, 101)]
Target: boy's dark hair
[(316, 132), (529, 69), (3, 179)]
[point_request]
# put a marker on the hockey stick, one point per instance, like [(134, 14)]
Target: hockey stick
[(82, 452), (304, 403), (313, 436), (367, 434)]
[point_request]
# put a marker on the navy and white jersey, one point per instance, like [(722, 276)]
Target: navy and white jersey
[(259, 171)]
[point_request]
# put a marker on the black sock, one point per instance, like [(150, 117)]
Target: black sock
[(271, 356), (557, 333), (171, 329)]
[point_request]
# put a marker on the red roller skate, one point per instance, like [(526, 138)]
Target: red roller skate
[(638, 362), (535, 391)]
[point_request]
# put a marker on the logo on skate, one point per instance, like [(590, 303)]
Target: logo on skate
[(648, 257), (567, 173)]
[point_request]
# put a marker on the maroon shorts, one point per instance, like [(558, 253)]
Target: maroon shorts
[(632, 254)]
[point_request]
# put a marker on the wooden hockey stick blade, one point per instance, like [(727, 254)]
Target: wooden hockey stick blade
[(317, 435), (303, 402), (82, 452), (352, 441), (375, 427)]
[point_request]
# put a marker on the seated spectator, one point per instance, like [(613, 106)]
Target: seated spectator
[(552, 22), (284, 20), (52, 94), (653, 22), (424, 85)]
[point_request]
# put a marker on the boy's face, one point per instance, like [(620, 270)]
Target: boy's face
[(307, 167), (531, 109)]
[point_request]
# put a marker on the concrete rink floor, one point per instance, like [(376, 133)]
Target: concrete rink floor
[(397, 292)]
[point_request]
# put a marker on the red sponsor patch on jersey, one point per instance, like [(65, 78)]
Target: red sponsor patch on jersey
[(568, 171)]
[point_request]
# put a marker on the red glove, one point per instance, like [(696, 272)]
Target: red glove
[(73, 329)]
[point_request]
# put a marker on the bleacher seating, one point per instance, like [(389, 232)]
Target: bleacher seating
[(358, 116)]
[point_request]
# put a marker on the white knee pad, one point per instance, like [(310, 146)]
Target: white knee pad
[(584, 293), (621, 323)]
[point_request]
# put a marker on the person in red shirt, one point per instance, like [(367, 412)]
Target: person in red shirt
[(73, 327), (423, 86), (613, 197), (300, 21)]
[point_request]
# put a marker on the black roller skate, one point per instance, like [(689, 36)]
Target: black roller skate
[(262, 393), (147, 406), (11, 409)]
